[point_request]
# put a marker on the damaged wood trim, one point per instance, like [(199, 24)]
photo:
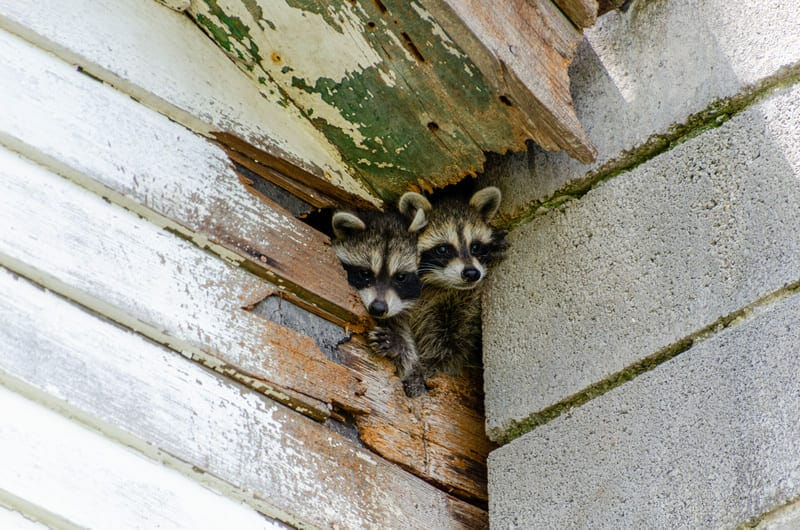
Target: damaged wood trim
[(242, 444), (130, 271), (525, 48), (190, 188)]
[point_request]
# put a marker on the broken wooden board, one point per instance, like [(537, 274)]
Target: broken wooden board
[(159, 57), (439, 436), (131, 271), (66, 476), (411, 93), (582, 13), (525, 48), (210, 429), (165, 173)]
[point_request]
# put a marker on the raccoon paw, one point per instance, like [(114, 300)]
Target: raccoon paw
[(414, 385), (384, 342)]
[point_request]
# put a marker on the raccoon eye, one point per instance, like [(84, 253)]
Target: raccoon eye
[(442, 250), (401, 277), (364, 274), (477, 249)]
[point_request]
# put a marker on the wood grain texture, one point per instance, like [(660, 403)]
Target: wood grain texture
[(160, 58), (108, 259), (582, 13), (153, 166), (243, 444), (394, 87), (525, 48), (55, 466), (439, 436)]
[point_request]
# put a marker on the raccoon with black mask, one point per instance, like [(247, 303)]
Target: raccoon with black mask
[(456, 248), (379, 253)]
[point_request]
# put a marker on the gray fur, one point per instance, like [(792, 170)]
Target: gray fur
[(446, 320), (364, 237)]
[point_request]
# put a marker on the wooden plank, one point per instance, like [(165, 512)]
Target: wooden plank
[(439, 436), (394, 88), (14, 519), (65, 469), (149, 398), (525, 48), (155, 55), (582, 13), (60, 118), (129, 270)]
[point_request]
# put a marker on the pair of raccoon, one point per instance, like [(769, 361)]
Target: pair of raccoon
[(418, 270)]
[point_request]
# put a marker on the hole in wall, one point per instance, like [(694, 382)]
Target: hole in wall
[(505, 100), (433, 126)]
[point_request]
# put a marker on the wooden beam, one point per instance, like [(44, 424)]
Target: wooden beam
[(524, 48), (129, 270), (412, 94), (147, 397), (582, 13), (61, 119)]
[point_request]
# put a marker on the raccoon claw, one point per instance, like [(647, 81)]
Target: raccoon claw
[(414, 385), (382, 342)]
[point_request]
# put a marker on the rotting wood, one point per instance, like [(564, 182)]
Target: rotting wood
[(161, 59), (406, 91), (305, 185), (59, 472), (525, 48), (106, 258), (190, 186), (582, 13), (153, 400), (439, 436)]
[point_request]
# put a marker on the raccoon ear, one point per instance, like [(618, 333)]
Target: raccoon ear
[(346, 223), (487, 202), (415, 206)]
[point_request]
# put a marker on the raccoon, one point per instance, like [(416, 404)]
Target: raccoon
[(456, 248), (379, 253)]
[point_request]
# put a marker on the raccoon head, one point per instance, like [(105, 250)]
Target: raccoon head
[(379, 253), (457, 245)]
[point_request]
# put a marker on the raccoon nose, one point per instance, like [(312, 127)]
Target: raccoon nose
[(378, 308), (471, 274)]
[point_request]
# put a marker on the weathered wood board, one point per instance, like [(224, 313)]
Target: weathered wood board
[(14, 519), (163, 172), (525, 48), (147, 397), (439, 436), (52, 465), (393, 86), (160, 58), (582, 13), (108, 259)]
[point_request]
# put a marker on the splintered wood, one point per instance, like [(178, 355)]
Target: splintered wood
[(439, 436), (413, 93)]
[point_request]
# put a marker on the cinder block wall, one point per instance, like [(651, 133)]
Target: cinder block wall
[(642, 340)]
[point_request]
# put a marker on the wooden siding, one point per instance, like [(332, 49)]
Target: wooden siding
[(145, 396), (160, 58), (110, 204)]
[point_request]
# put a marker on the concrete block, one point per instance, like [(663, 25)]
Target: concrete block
[(639, 72), (707, 440), (645, 260)]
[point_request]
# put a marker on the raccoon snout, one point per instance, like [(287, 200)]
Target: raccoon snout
[(470, 274), (378, 308)]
